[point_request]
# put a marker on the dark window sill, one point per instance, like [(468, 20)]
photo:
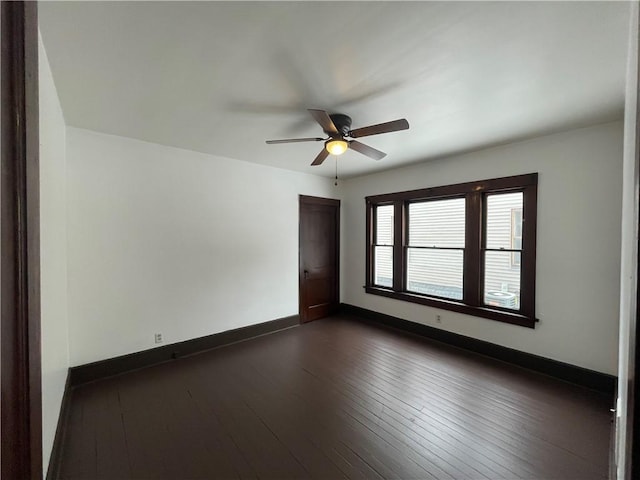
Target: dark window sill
[(484, 312)]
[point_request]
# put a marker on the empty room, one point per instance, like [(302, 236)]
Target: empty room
[(368, 240)]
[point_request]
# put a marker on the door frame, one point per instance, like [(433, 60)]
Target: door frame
[(633, 409), (309, 200), (625, 462), (20, 371)]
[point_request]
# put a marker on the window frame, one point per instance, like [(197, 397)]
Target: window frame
[(475, 194)]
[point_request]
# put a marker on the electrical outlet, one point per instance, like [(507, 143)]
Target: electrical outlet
[(158, 337), (438, 319)]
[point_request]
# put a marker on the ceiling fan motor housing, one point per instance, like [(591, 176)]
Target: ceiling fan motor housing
[(342, 123)]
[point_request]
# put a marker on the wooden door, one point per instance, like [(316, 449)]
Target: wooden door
[(319, 257)]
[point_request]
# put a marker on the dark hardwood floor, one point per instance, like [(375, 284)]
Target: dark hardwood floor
[(334, 399)]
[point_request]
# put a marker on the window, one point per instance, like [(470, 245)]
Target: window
[(501, 272), (435, 248), (383, 246), (468, 247)]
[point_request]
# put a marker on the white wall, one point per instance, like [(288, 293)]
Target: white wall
[(53, 254), (578, 254), (629, 261), (176, 242)]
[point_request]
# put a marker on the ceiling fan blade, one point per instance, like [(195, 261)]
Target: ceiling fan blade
[(386, 127), (320, 158), (366, 150), (324, 120), (295, 140)]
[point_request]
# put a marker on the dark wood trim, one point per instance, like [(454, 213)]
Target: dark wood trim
[(20, 373), (591, 379), (369, 241), (53, 472), (398, 246), (134, 361), (451, 305), (633, 405), (319, 201), (493, 184), (337, 239), (472, 261), (528, 263)]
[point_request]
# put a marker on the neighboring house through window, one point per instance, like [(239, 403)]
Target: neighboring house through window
[(516, 234)]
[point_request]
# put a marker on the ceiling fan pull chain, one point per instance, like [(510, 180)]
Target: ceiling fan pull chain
[(336, 182)]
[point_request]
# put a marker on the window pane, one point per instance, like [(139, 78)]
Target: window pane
[(437, 223), (502, 280), (384, 225), (504, 220), (383, 266), (435, 272)]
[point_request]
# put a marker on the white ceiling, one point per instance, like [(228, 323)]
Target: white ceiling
[(223, 77)]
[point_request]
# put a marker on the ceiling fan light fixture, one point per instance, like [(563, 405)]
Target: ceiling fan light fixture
[(336, 146)]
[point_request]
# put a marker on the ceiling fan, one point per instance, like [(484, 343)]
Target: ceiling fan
[(340, 136)]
